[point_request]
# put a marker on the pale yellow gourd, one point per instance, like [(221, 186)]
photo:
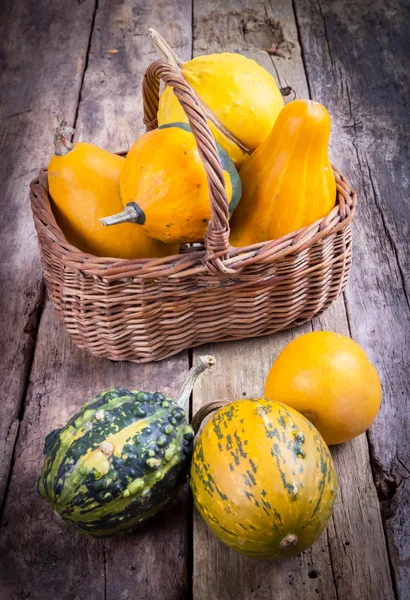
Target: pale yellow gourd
[(240, 98)]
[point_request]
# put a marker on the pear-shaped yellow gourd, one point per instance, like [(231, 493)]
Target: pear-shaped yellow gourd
[(84, 186), (164, 188), (288, 182), (242, 99)]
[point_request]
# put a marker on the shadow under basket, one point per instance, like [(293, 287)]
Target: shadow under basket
[(149, 309)]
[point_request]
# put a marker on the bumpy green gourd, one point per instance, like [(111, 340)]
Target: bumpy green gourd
[(120, 459)]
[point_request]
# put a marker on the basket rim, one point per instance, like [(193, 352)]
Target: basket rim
[(195, 261)]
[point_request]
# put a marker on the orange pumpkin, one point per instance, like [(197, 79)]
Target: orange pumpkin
[(288, 182), (329, 379)]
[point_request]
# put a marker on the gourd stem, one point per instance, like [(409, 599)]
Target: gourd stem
[(62, 142), (164, 49), (204, 411), (132, 213), (204, 362)]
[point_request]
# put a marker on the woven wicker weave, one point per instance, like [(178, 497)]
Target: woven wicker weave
[(148, 309)]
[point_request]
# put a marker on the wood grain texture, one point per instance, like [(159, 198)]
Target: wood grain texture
[(58, 562), (250, 28), (355, 531), (42, 558), (153, 563), (34, 93), (110, 110), (350, 559), (362, 50)]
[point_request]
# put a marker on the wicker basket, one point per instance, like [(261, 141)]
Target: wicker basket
[(149, 309)]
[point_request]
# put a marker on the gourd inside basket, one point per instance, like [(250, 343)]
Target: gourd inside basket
[(148, 309)]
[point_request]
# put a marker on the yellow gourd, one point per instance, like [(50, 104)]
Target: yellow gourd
[(83, 183), (164, 188), (240, 98), (288, 182), (263, 478), (328, 378)]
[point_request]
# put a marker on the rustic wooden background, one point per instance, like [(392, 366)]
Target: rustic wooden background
[(354, 57)]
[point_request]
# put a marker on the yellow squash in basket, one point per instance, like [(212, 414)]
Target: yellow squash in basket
[(83, 183), (288, 182), (240, 98), (164, 187)]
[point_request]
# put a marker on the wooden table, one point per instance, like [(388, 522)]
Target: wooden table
[(56, 62)]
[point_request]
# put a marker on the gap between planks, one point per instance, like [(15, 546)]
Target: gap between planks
[(190, 520), (87, 57), (39, 307)]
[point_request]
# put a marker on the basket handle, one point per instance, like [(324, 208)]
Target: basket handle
[(217, 235)]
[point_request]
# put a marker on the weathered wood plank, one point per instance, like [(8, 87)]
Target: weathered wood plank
[(361, 50), (41, 558), (350, 559), (241, 372), (34, 92), (251, 28), (355, 532), (152, 562), (111, 103)]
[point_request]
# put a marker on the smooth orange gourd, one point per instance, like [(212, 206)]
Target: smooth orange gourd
[(329, 379), (84, 186), (164, 187), (288, 182)]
